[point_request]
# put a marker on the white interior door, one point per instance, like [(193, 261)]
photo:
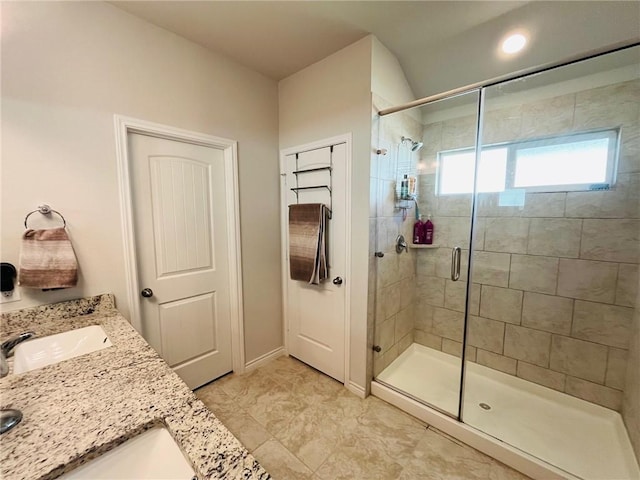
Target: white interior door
[(180, 223), (316, 313)]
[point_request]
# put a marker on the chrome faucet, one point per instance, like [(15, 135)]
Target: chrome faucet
[(6, 350), (10, 417)]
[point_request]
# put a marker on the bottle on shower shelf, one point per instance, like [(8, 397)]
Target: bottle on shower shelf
[(404, 188), (412, 186), (418, 231), (428, 231)]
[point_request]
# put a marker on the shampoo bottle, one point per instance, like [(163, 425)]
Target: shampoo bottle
[(404, 188), (418, 231), (412, 186), (428, 231)]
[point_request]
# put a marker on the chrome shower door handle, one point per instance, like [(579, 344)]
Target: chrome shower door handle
[(456, 255)]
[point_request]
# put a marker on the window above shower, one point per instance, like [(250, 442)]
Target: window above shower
[(570, 162)]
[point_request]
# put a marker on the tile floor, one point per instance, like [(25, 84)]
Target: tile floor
[(301, 424)]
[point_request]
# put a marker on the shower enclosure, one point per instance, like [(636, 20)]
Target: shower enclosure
[(521, 322)]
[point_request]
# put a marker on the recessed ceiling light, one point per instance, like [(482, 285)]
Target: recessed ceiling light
[(514, 43)]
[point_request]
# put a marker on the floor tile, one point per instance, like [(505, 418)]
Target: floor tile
[(345, 406), (246, 389), (280, 462), (291, 370), (358, 462), (301, 424), (437, 457), (311, 436), (276, 407), (388, 430), (217, 400), (247, 430), (499, 471)]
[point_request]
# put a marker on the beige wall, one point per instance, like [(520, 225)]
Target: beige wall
[(330, 98), (67, 68), (387, 77)]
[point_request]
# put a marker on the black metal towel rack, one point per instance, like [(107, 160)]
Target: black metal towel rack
[(328, 168)]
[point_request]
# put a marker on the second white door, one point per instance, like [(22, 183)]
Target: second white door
[(316, 313), (180, 222)]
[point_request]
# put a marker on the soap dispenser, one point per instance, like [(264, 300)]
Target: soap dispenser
[(7, 279)]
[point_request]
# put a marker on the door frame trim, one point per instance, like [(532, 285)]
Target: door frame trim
[(123, 127), (327, 142)]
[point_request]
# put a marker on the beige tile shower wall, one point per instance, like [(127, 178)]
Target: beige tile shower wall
[(440, 302), (555, 281), (393, 278), (631, 396)]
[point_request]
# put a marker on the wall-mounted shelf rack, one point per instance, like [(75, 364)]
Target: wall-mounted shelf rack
[(405, 165), (319, 169), (296, 189), (327, 168), (420, 246), (405, 203)]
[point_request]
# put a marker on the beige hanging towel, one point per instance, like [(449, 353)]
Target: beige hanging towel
[(308, 242), (47, 260)]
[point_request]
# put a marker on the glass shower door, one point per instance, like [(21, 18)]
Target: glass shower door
[(556, 265), (421, 293)]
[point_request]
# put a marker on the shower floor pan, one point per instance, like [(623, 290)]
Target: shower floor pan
[(583, 439)]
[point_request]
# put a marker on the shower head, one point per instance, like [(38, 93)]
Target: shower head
[(415, 146)]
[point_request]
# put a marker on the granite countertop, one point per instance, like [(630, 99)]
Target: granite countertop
[(80, 408)]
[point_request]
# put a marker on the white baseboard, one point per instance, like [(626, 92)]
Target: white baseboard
[(357, 389), (264, 359)]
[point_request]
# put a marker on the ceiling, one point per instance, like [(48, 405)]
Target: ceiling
[(440, 44)]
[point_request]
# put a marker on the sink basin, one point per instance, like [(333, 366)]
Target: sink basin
[(150, 455), (40, 352)]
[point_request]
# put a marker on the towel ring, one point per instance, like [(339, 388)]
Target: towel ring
[(45, 210)]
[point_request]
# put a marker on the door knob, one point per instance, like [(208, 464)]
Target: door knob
[(337, 281), (147, 293)]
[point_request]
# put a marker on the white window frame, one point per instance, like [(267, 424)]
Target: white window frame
[(613, 134)]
